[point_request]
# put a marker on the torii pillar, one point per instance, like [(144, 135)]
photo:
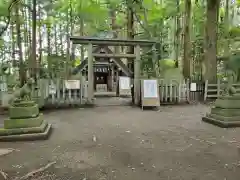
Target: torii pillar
[(90, 90), (137, 67)]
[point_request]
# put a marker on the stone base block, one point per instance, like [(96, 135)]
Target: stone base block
[(23, 123), (225, 112), (220, 123), (227, 103), (224, 117), (18, 112), (26, 134)]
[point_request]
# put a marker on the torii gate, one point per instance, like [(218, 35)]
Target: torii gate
[(137, 44)]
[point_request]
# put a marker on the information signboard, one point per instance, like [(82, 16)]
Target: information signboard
[(150, 93)]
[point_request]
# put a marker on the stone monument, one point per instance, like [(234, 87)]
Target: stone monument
[(226, 110), (25, 122)]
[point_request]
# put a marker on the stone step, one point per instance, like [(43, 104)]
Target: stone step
[(227, 103), (19, 112), (225, 112), (225, 118), (223, 124), (27, 130), (29, 136), (23, 123)]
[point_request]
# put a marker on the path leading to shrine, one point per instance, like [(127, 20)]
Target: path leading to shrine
[(125, 143)]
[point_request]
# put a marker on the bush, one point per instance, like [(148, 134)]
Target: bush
[(167, 64)]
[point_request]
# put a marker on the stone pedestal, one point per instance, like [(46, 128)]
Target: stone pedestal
[(24, 123), (225, 113)]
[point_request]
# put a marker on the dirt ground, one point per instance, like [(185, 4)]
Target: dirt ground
[(125, 143)]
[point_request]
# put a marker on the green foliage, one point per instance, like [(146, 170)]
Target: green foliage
[(234, 64), (167, 64), (234, 32), (56, 65), (238, 3), (155, 20)]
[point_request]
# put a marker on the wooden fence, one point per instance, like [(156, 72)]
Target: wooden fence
[(52, 93), (174, 92), (55, 93), (212, 91), (58, 93)]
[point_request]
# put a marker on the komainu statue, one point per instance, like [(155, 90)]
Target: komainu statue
[(25, 121), (228, 89), (24, 93), (226, 110)]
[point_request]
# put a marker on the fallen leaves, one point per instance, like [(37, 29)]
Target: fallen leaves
[(32, 173), (4, 175)]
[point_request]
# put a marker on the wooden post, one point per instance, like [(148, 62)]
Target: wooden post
[(137, 76), (117, 82), (206, 90), (90, 75), (155, 60), (112, 77), (82, 75), (218, 87)]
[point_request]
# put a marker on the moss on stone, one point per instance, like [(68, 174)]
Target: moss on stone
[(23, 123), (225, 112), (223, 124), (27, 130), (24, 104), (44, 134), (228, 103), (21, 112)]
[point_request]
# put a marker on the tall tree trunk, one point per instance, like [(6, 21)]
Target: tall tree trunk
[(48, 38), (26, 38), (82, 34), (226, 26), (68, 45), (49, 49), (73, 47), (210, 59), (22, 75), (14, 62), (187, 41), (34, 65), (177, 34), (55, 39), (40, 36), (115, 35), (130, 29), (61, 40)]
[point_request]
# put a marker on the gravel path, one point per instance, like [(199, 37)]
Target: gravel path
[(125, 143)]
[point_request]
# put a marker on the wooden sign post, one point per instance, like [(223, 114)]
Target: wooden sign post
[(150, 93)]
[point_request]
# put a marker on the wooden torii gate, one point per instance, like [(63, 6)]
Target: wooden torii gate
[(137, 44)]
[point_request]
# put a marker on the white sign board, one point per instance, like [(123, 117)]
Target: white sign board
[(52, 89), (150, 89), (3, 87), (72, 84), (124, 83), (193, 87)]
